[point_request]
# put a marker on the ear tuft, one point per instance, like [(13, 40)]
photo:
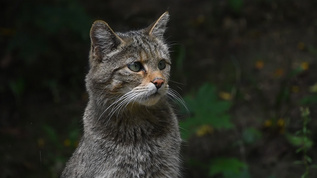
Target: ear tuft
[(157, 29), (103, 39)]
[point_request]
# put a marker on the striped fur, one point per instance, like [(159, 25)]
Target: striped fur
[(130, 129)]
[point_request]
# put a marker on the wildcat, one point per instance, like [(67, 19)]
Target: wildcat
[(130, 130)]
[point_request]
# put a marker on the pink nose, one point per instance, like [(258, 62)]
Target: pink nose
[(158, 82)]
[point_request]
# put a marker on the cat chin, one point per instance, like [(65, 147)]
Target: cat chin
[(150, 101), (152, 96)]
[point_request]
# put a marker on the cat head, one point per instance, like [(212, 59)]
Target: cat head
[(131, 67)]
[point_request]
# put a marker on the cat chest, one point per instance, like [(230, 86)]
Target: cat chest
[(138, 161)]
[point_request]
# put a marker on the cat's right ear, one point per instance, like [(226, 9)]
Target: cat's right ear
[(103, 40)]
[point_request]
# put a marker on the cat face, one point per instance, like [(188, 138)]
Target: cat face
[(130, 67)]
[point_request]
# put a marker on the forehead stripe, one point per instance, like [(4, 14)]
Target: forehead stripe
[(112, 53)]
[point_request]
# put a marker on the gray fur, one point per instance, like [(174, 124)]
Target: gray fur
[(130, 129)]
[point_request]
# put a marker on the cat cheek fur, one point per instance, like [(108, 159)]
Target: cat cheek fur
[(124, 81), (140, 85)]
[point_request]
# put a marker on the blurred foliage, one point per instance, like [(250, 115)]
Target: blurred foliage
[(205, 109), (308, 100), (45, 47), (18, 88), (207, 113), (50, 141), (302, 140), (38, 24), (179, 57), (45, 40), (228, 168), (251, 135), (235, 5)]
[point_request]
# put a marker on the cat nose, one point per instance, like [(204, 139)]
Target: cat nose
[(158, 82)]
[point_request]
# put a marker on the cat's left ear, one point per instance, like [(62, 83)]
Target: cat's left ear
[(103, 39), (157, 29)]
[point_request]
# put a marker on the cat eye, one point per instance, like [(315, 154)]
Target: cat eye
[(135, 66), (162, 64)]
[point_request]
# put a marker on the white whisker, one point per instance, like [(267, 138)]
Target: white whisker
[(122, 100), (131, 99), (113, 104), (121, 103), (175, 95)]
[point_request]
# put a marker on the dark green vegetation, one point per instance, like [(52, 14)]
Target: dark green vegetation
[(246, 69)]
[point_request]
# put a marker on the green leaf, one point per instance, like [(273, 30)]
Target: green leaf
[(206, 109), (299, 150), (314, 166), (51, 133), (244, 173), (300, 141), (308, 159), (251, 135), (298, 162), (308, 100), (17, 87), (229, 167), (236, 5)]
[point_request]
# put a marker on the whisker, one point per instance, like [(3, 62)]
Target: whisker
[(121, 105), (175, 95), (130, 97), (113, 104), (129, 100), (178, 83)]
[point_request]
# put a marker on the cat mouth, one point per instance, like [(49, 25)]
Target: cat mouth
[(150, 96), (150, 99), (153, 95)]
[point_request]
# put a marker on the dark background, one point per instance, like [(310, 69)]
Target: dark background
[(250, 61)]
